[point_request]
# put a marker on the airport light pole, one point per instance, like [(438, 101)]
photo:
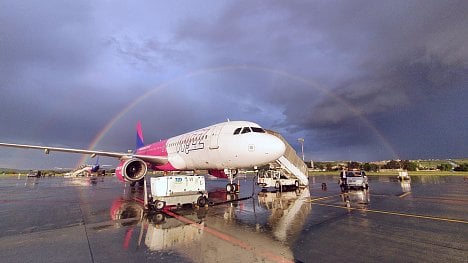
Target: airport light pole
[(301, 141)]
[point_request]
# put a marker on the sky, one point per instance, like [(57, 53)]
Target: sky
[(358, 80)]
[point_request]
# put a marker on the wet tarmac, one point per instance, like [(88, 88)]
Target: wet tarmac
[(79, 220)]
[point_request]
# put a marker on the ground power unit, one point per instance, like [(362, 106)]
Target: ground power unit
[(177, 190)]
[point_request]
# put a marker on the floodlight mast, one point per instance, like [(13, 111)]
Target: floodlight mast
[(301, 141)]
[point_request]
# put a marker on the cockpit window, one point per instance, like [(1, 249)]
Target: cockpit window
[(237, 131), (246, 130), (256, 129)]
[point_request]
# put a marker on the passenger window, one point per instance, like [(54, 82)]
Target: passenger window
[(256, 129), (237, 131), (246, 130)]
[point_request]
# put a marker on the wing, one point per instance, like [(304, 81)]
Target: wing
[(156, 160)]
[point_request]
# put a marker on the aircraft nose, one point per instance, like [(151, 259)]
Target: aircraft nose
[(275, 147)]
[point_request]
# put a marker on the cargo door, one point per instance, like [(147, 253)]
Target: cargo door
[(214, 136)]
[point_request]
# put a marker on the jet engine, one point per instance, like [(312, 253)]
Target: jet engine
[(131, 170)]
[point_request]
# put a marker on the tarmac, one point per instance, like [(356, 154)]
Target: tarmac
[(57, 219)]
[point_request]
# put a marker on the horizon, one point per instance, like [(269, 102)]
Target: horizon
[(463, 160)]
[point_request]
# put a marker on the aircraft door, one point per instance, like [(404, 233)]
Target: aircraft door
[(214, 137)]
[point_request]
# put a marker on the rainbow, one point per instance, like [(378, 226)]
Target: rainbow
[(139, 99)]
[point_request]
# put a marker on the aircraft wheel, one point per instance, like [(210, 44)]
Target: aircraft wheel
[(229, 188), (159, 205), (277, 185), (296, 184), (235, 188), (159, 218), (202, 201)]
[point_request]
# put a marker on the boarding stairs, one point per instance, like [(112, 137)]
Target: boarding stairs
[(81, 170), (291, 163)]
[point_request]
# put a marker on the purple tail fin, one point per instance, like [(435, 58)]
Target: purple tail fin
[(96, 166), (139, 136)]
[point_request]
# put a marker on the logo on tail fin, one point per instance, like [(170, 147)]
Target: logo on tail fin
[(139, 136)]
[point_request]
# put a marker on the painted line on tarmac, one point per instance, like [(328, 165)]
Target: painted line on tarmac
[(321, 198), (265, 254), (404, 194), (397, 214)]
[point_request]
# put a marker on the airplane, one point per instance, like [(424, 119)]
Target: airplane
[(87, 170), (222, 149)]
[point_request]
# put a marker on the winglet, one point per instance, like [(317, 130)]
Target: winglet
[(139, 136)]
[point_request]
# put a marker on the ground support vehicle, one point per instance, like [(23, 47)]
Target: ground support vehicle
[(353, 179), (35, 173), (276, 179), (403, 175), (177, 190)]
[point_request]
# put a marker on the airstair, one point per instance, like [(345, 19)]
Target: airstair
[(77, 172), (291, 163)]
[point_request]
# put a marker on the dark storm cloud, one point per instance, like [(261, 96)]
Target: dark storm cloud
[(49, 33), (43, 47), (147, 53), (369, 61), (359, 80), (48, 52)]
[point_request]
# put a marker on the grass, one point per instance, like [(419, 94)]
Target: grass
[(395, 173), (386, 173)]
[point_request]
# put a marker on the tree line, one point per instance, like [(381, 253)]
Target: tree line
[(448, 167), (392, 164)]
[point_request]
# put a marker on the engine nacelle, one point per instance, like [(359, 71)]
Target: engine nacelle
[(131, 170)]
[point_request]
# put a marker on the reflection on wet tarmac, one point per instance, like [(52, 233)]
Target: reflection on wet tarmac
[(357, 197), (127, 209), (31, 182), (289, 211), (82, 181), (405, 186), (106, 222), (204, 236)]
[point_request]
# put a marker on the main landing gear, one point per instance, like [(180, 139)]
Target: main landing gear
[(231, 187)]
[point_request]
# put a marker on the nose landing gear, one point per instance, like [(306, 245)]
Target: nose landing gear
[(231, 187)]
